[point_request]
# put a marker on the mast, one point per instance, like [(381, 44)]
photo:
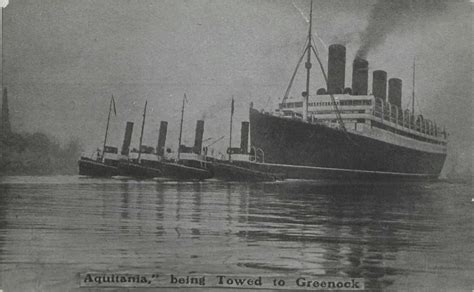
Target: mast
[(181, 127), (308, 64), (413, 92), (230, 131), (107, 127), (412, 119), (2, 46), (141, 134)]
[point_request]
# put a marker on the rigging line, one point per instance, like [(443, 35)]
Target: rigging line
[(107, 130), (407, 104), (413, 88), (2, 49), (300, 11), (418, 106), (268, 101), (307, 20), (285, 97)]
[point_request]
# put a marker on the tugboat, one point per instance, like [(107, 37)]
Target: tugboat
[(141, 163), (189, 164), (236, 167), (105, 163)]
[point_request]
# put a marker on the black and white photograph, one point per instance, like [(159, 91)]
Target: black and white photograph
[(236, 145)]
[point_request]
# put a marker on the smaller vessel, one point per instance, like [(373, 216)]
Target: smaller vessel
[(189, 164), (236, 167), (105, 163), (141, 163)]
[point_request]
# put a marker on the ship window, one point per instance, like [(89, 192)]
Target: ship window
[(109, 149), (298, 104)]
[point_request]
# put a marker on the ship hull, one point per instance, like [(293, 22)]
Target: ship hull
[(312, 151), (244, 171), (137, 170), (183, 172), (90, 167)]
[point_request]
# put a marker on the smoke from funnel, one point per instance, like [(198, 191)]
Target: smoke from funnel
[(388, 16)]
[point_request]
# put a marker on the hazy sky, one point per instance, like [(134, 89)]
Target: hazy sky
[(65, 58)]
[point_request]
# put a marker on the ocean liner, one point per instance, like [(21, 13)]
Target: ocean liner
[(344, 132)]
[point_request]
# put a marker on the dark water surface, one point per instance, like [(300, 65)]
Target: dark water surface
[(398, 237)]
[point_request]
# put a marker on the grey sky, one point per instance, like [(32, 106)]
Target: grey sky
[(64, 59)]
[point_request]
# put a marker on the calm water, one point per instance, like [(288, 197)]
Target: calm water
[(398, 237)]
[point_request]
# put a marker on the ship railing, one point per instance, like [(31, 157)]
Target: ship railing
[(96, 156), (405, 119), (400, 117), (259, 150), (394, 114), (256, 156)]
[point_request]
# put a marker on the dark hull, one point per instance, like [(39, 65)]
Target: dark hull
[(310, 151), (183, 172), (91, 167), (235, 171), (137, 170)]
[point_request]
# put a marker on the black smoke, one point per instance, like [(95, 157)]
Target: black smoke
[(388, 16)]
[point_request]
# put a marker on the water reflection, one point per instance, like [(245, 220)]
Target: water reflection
[(353, 230), (159, 211), (196, 210), (4, 198)]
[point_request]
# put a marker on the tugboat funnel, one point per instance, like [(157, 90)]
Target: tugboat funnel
[(127, 139), (160, 148)]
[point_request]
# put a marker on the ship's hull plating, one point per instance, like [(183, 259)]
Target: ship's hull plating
[(90, 167), (310, 151), (183, 172), (163, 169), (242, 171), (138, 170)]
